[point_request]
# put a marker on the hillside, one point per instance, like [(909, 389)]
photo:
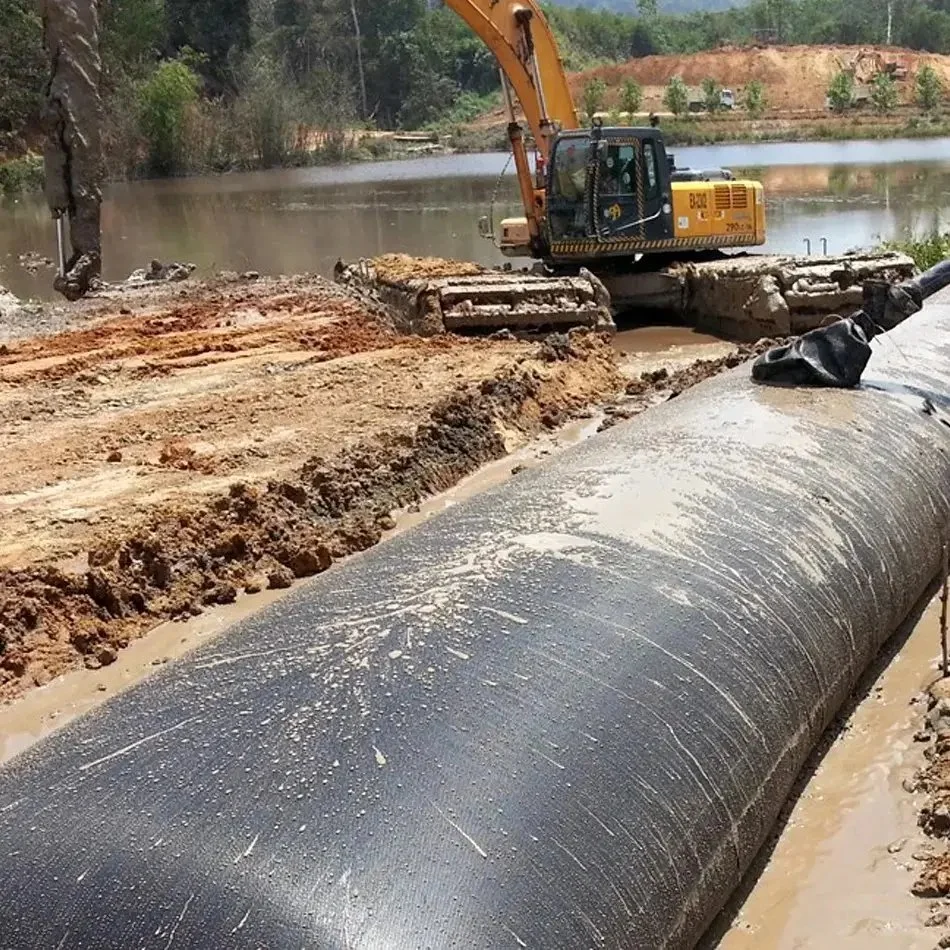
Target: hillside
[(796, 78)]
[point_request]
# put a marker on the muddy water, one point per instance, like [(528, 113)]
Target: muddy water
[(297, 220)]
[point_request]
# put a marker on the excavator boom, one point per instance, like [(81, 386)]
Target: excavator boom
[(519, 35)]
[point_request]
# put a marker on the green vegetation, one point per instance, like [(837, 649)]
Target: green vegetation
[(695, 131), (676, 97), (884, 93), (631, 96), (595, 96), (165, 100), (20, 175), (753, 99), (195, 85), (712, 96), (928, 90), (21, 69), (841, 92), (925, 251)]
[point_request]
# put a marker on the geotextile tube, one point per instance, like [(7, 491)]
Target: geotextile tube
[(562, 714)]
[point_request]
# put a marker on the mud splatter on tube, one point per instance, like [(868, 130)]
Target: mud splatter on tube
[(72, 120), (562, 714)]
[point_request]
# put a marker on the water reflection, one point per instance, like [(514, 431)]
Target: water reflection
[(301, 220)]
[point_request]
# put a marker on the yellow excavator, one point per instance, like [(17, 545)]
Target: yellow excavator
[(599, 196), (607, 215)]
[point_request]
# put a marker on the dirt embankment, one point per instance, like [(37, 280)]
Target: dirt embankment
[(795, 81), (163, 459), (933, 781), (796, 78)]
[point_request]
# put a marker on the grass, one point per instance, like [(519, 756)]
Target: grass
[(926, 251), (698, 132)]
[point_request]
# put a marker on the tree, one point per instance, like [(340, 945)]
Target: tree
[(647, 8), (712, 95), (841, 92), (268, 109), (133, 34), (595, 94), (212, 28), (631, 96), (753, 98), (22, 70), (884, 93), (676, 97), (928, 89)]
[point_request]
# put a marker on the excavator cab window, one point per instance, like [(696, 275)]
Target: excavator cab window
[(650, 167), (567, 201), (618, 170)]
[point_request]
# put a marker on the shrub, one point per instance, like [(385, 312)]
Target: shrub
[(928, 89), (595, 94), (676, 97), (884, 93), (165, 101), (631, 96), (753, 98), (841, 92), (712, 95)]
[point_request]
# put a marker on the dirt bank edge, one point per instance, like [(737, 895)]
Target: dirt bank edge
[(177, 561)]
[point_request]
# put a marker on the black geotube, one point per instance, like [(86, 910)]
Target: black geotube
[(562, 714)]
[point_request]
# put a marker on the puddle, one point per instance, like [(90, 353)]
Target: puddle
[(840, 874), (647, 348)]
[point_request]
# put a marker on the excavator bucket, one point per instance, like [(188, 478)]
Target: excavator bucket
[(431, 295)]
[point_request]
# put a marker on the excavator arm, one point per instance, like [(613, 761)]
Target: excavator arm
[(517, 32)]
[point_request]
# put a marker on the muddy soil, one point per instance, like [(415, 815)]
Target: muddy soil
[(172, 447), (183, 445), (932, 785)]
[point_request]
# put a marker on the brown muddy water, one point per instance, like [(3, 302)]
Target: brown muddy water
[(303, 220)]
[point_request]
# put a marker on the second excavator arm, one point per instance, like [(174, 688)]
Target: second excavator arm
[(518, 33)]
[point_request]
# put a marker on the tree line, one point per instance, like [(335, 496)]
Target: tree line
[(209, 84)]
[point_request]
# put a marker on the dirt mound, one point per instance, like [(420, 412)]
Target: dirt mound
[(402, 267), (795, 77)]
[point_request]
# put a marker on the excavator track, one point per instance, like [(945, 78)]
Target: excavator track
[(743, 297), (430, 295)]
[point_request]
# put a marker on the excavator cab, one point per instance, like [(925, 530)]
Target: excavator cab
[(608, 186), (615, 193)]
